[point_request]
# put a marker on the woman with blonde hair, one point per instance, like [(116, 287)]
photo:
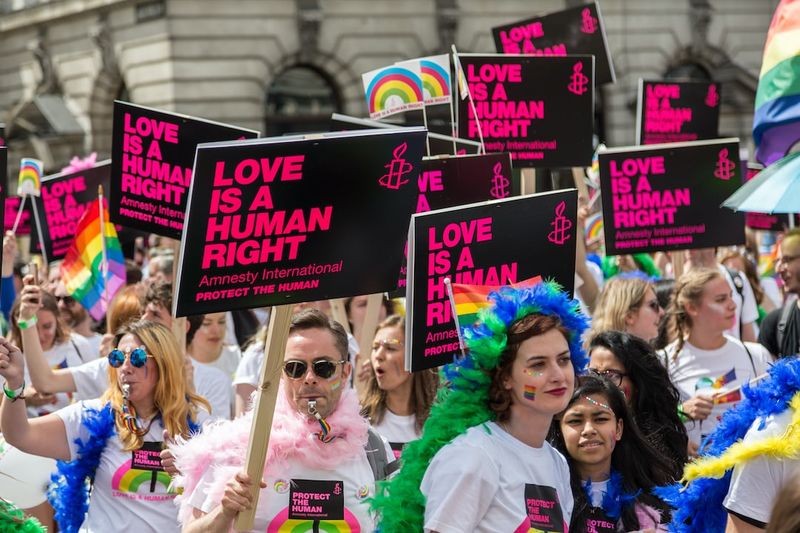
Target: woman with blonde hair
[(628, 304), (706, 365), (113, 441), (396, 402)]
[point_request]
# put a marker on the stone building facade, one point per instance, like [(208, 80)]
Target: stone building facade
[(285, 65)]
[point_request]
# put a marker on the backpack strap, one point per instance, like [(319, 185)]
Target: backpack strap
[(738, 282), (785, 314), (376, 455)]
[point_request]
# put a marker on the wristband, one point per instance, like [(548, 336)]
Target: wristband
[(682, 415), (25, 324), (15, 394)]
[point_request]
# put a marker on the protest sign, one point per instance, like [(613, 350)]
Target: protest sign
[(539, 109), (3, 137), (64, 198), (152, 155), (668, 196), (451, 181), (3, 186), (677, 111), (491, 243), (765, 221), (12, 204), (289, 219), (577, 30)]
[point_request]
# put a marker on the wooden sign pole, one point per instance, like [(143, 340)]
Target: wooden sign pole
[(339, 314), (264, 406), (527, 181), (178, 324), (371, 316)]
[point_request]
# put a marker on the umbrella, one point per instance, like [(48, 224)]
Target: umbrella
[(776, 189)]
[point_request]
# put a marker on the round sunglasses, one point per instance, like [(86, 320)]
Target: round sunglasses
[(138, 357), (323, 368)]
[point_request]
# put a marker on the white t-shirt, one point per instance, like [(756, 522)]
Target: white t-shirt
[(130, 491), (249, 370), (91, 381), (227, 361), (94, 346), (299, 496), (487, 481), (747, 310), (70, 353), (398, 430), (755, 484), (714, 372)]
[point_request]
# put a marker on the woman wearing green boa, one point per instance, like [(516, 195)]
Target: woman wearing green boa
[(482, 463)]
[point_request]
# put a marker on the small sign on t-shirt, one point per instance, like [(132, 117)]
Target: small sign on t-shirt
[(544, 509), (313, 499)]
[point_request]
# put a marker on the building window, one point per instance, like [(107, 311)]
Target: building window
[(300, 100)]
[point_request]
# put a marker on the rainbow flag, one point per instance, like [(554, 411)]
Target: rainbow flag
[(776, 124), (81, 270), (728, 397), (393, 89), (469, 299), (435, 75), (724, 379), (29, 182)]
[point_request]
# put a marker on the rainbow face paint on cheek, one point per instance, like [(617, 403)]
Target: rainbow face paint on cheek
[(336, 383), (530, 392)]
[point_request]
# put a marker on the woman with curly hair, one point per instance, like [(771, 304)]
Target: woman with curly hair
[(631, 364), (482, 463)]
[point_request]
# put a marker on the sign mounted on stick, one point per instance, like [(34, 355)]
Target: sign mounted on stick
[(152, 156), (577, 30), (492, 243), (677, 111), (668, 196), (290, 219), (539, 109)]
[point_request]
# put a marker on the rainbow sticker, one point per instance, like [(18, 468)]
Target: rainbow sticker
[(283, 524), (134, 480), (29, 182), (594, 228), (281, 486), (393, 89), (435, 75)]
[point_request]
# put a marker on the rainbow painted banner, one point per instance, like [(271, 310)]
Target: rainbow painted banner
[(29, 182), (393, 89), (776, 123), (468, 300), (435, 75), (82, 271)]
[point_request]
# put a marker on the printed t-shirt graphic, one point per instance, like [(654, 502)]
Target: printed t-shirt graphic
[(314, 505), (142, 473), (544, 511)]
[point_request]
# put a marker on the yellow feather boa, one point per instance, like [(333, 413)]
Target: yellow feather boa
[(781, 447)]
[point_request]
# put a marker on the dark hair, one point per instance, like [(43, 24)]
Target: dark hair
[(654, 400), (133, 274), (640, 466), (521, 330), (663, 289), (195, 321), (424, 385), (159, 293), (316, 319)]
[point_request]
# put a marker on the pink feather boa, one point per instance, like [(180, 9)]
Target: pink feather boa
[(222, 446)]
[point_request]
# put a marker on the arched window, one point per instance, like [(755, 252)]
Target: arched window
[(688, 70), (300, 100)]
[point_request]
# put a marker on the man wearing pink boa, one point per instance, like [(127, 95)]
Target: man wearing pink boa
[(317, 472)]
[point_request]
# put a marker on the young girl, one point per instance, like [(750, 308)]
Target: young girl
[(708, 366), (612, 467), (482, 463), (396, 402)]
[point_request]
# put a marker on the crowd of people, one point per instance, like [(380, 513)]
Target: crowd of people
[(563, 415)]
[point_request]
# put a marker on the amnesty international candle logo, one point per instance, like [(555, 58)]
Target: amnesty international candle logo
[(725, 166), (561, 226), (578, 83), (397, 168), (588, 22), (500, 184), (712, 97)]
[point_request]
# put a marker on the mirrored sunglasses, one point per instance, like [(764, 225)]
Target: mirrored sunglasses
[(138, 357)]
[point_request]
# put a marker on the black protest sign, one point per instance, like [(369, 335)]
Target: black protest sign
[(287, 220), (577, 30), (451, 181), (667, 197), (152, 155), (64, 198), (3, 185), (539, 109), (316, 499), (492, 243), (677, 111), (11, 206)]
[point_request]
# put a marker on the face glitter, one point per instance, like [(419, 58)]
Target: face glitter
[(598, 404), (532, 373)]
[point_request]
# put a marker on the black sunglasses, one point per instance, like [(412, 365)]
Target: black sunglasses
[(614, 376), (66, 300), (324, 368), (138, 356)]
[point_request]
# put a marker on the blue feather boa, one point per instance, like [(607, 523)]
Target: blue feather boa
[(68, 492), (615, 499), (698, 505)]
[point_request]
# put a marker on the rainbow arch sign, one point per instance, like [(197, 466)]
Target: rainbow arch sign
[(393, 90), (435, 75)]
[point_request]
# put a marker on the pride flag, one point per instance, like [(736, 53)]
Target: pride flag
[(29, 182), (81, 270), (776, 124), (725, 379), (469, 299)]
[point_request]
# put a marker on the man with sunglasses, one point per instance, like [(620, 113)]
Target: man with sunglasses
[(77, 318), (780, 329), (322, 461)]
